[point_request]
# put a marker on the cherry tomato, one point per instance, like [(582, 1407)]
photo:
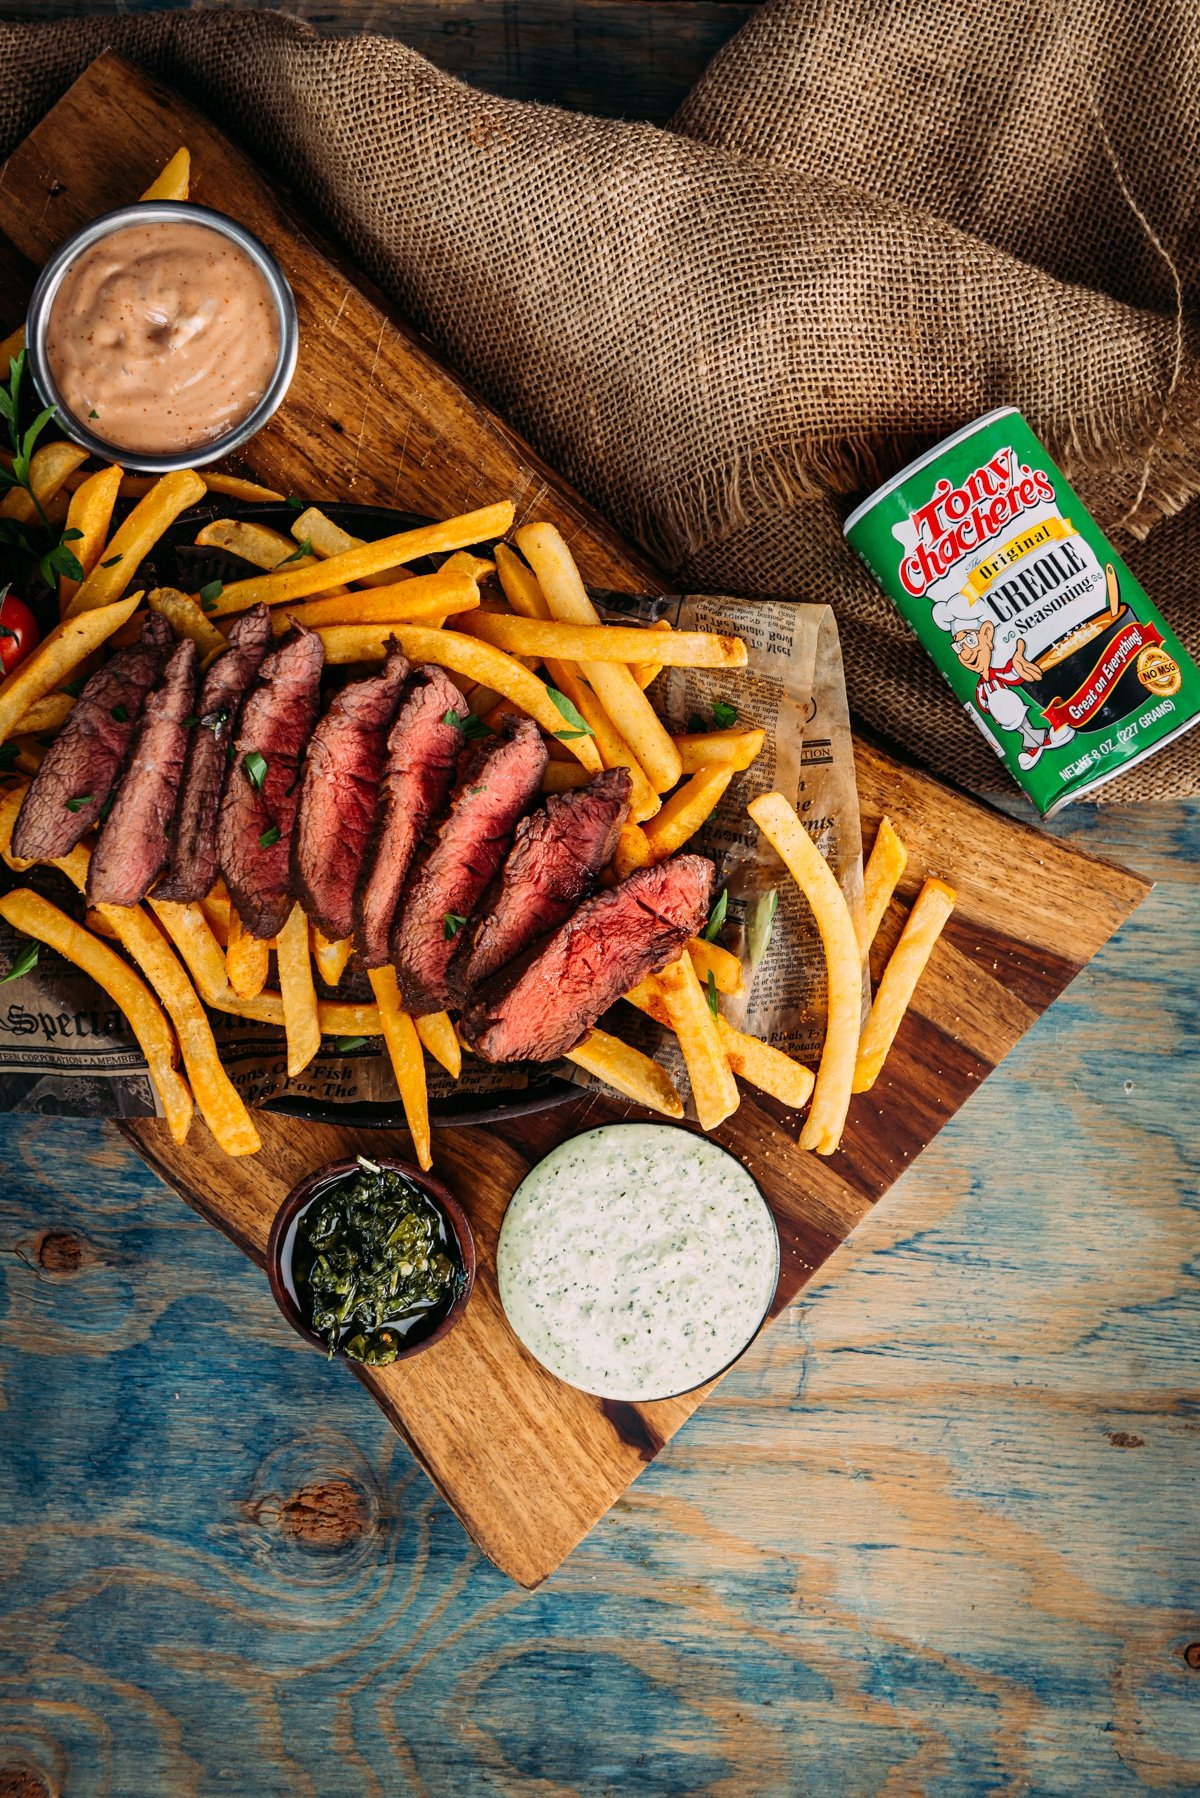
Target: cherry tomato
[(18, 631)]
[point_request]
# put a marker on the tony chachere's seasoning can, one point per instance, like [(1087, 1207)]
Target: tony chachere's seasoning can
[(1051, 645)]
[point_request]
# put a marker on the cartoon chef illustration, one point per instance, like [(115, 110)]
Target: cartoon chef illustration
[(996, 688)]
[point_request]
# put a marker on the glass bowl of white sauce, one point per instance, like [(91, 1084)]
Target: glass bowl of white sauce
[(637, 1261)]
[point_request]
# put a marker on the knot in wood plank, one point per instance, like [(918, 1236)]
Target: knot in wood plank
[(60, 1252), (22, 1782)]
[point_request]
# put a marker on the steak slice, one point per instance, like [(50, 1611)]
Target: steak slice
[(83, 763), (194, 840), (262, 789), (422, 752), (552, 865), (343, 767), (463, 858), (134, 840), (614, 940)]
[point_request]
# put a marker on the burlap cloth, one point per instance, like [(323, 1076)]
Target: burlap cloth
[(870, 223)]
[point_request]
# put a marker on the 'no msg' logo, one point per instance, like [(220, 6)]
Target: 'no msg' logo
[(958, 521)]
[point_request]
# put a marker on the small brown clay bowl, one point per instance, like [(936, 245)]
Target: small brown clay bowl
[(283, 1236)]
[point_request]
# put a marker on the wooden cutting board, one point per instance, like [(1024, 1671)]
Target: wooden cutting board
[(529, 1464)]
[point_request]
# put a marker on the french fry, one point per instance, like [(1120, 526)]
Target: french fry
[(135, 538), (12, 346), (725, 968), (752, 1060), (218, 911), (843, 966), (28, 912), (734, 749), (368, 558), (628, 1071), (685, 811), (404, 1051), (331, 957), (613, 750), (632, 852), (614, 686), (256, 543), (28, 754), (46, 715), (90, 513), (48, 471), (714, 1088), (586, 643), (463, 562), (301, 1021), (463, 655), (329, 539), (439, 1036), (247, 959), (924, 925), (56, 657), (885, 865), (648, 672), (562, 777), (423, 599), (174, 180), (233, 486), (186, 618)]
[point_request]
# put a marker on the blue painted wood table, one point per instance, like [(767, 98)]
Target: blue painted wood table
[(935, 1533)]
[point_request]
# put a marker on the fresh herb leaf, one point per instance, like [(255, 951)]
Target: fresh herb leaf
[(297, 555), (80, 800), (452, 923), (210, 594), (346, 1044), (190, 721), (269, 837), (711, 994), (696, 724), (112, 561), (760, 924), (107, 807), (118, 714), (716, 917), (296, 505), (74, 688), (256, 768), (214, 720), (93, 413), (26, 960), (471, 727), (725, 716), (579, 726)]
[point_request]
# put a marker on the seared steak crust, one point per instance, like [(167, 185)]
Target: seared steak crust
[(134, 840), (465, 855), (258, 806), (194, 840), (422, 751), (545, 1007), (343, 766), (89, 752), (553, 863)]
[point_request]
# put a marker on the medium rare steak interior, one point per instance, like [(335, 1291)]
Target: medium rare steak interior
[(422, 753), (343, 766), (614, 940), (82, 765), (466, 853), (553, 863), (262, 789), (193, 866), (134, 841)]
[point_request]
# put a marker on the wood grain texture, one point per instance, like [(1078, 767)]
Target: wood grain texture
[(528, 1463)]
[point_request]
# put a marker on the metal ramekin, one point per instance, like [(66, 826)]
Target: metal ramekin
[(141, 213)]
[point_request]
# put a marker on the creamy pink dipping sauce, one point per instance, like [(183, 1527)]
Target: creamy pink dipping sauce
[(162, 337)]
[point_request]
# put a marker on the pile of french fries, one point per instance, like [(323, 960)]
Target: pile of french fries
[(538, 648)]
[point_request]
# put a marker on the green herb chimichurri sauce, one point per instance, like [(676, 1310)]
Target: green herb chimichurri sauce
[(373, 1265)]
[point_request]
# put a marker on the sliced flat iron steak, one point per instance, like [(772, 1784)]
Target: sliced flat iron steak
[(499, 787), (422, 753), (614, 940), (343, 767), (193, 866), (82, 765), (134, 841), (262, 789), (553, 863)]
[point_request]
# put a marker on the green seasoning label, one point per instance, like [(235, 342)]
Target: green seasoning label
[(1051, 645)]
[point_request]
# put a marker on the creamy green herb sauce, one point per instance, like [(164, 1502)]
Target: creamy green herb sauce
[(637, 1260)]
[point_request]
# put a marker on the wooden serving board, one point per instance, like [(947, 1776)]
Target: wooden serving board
[(529, 1464)]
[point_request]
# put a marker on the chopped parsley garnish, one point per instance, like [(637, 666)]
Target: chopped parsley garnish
[(712, 993), (294, 504), (210, 594), (256, 768), (24, 962), (471, 727), (191, 721), (112, 561), (346, 1044), (297, 555), (74, 688), (725, 716), (452, 923), (716, 917), (269, 838), (81, 799), (107, 807), (579, 726), (93, 413), (118, 714), (52, 554)]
